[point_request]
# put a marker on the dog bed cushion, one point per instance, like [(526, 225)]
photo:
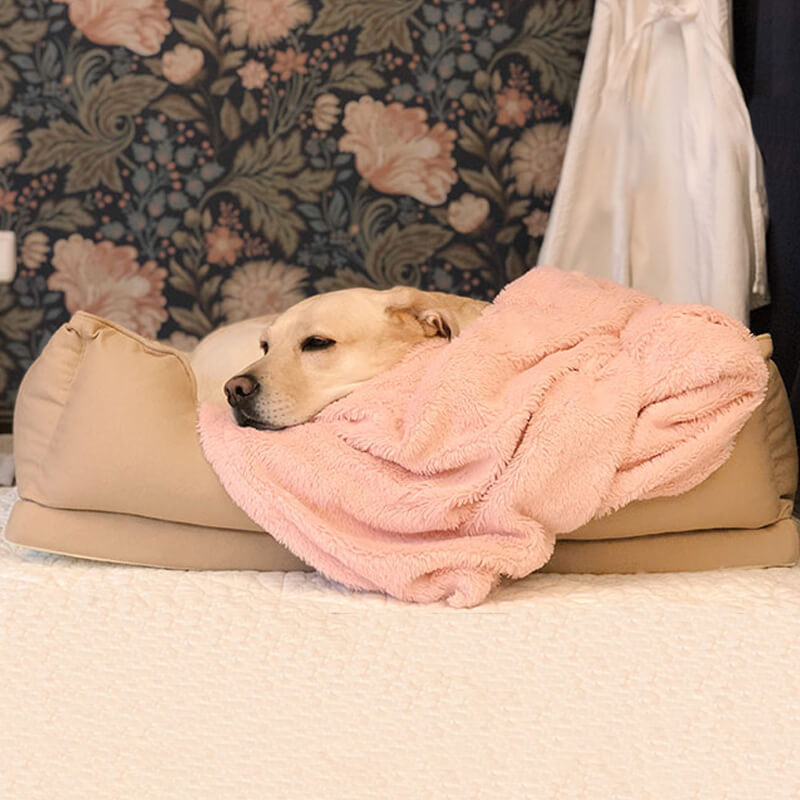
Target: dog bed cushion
[(109, 466)]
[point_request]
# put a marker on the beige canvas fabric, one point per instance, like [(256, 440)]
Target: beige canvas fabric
[(109, 466)]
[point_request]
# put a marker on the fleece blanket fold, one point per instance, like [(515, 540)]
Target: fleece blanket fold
[(569, 398)]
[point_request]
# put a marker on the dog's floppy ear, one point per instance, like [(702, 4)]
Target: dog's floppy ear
[(437, 314)]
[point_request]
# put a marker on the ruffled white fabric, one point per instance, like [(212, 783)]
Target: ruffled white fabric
[(662, 187)]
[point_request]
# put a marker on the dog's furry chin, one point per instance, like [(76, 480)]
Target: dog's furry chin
[(243, 421)]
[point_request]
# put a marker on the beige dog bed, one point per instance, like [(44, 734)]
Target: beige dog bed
[(109, 467)]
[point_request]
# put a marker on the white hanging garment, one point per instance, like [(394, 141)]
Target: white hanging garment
[(662, 186)]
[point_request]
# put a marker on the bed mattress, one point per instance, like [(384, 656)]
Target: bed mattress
[(134, 682)]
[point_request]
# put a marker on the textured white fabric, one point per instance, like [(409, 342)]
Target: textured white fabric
[(126, 682), (662, 186)]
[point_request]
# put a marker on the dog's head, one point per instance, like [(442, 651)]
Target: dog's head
[(325, 346)]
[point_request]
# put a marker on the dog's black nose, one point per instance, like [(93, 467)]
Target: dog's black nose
[(239, 388)]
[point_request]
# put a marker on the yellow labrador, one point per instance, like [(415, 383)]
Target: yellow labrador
[(319, 350)]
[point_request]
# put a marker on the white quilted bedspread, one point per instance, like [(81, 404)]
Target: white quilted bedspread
[(124, 682)]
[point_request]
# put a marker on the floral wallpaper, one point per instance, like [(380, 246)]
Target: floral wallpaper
[(179, 165)]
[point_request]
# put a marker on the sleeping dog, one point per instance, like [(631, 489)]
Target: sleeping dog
[(319, 350)]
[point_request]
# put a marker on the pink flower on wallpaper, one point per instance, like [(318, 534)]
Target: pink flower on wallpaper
[(253, 74), (513, 108), (262, 287), (107, 280), (537, 158), (468, 213), (139, 25), (182, 64), (326, 111), (397, 152), (289, 61), (223, 245), (260, 23)]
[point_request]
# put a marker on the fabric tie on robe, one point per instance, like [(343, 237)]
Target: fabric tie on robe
[(568, 398)]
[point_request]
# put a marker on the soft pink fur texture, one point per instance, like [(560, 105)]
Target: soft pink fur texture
[(569, 398)]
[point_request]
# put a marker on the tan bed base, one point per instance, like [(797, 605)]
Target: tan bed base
[(127, 539)]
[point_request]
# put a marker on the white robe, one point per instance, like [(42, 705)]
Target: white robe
[(662, 186)]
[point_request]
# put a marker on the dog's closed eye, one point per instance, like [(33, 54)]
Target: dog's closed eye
[(316, 343), (265, 347)]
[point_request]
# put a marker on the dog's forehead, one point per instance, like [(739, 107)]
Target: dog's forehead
[(329, 311)]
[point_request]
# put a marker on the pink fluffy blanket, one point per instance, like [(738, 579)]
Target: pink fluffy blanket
[(569, 398)]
